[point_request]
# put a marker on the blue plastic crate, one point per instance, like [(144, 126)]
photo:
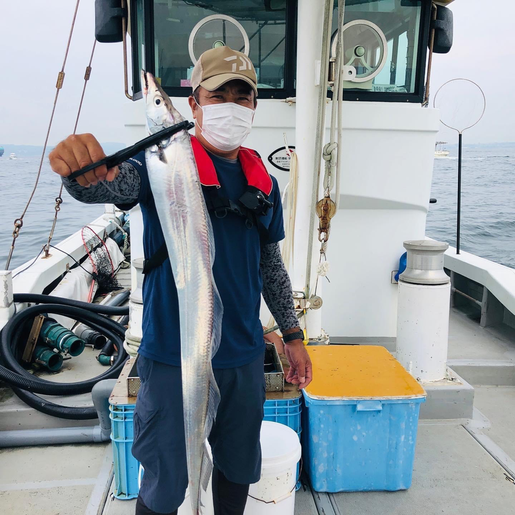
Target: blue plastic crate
[(285, 411), (360, 445), (126, 466)]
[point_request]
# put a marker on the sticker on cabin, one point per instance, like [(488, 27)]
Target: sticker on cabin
[(280, 158)]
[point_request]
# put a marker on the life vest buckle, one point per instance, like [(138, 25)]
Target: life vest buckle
[(256, 201), (221, 212)]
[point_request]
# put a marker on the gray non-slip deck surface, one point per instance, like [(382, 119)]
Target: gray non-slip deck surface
[(498, 405), (467, 340), (453, 474), (56, 480)]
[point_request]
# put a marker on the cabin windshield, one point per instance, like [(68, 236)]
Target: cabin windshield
[(183, 29), (369, 24), (385, 40)]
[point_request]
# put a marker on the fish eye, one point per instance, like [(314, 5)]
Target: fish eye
[(157, 101)]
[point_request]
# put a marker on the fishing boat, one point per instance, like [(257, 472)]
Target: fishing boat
[(12, 155), (359, 103), (440, 151)]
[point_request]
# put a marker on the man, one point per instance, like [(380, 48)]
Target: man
[(247, 263)]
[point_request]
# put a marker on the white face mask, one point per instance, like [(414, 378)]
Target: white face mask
[(227, 125)]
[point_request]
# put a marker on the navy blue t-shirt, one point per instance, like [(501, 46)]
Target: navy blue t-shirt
[(236, 272)]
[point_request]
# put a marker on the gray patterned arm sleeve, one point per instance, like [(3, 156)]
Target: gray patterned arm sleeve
[(277, 290), (123, 190)]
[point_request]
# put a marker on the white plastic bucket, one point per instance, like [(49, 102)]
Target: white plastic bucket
[(274, 494)]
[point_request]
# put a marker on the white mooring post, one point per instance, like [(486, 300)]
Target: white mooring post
[(423, 311)]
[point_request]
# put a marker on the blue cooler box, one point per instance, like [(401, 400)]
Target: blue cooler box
[(360, 420)]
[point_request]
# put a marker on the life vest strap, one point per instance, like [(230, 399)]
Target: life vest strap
[(221, 206)]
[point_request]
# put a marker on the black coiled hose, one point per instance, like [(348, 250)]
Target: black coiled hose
[(25, 384)]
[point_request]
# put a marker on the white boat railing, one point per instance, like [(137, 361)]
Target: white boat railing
[(34, 278), (497, 279)]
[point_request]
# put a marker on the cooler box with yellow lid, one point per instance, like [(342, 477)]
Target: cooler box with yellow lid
[(360, 420)]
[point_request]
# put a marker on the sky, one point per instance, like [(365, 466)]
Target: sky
[(34, 33)]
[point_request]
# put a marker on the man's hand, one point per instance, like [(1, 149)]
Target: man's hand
[(301, 371), (76, 152)]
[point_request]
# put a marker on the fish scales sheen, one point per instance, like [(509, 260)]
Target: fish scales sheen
[(189, 240)]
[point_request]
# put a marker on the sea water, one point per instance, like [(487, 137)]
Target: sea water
[(487, 206), (17, 177), (487, 221)]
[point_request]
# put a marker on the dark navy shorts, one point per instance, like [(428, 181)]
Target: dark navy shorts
[(159, 430)]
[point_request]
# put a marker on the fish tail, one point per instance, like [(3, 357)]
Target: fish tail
[(206, 469), (212, 404)]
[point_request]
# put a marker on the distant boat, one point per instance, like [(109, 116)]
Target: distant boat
[(12, 155), (439, 151), (1, 151)]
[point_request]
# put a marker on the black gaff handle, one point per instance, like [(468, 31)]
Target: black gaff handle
[(124, 154)]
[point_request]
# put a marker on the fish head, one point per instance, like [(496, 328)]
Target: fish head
[(159, 108)]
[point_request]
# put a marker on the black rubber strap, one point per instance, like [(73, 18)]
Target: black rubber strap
[(156, 260), (298, 335)]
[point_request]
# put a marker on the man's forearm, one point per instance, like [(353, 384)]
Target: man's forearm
[(124, 189), (277, 290)]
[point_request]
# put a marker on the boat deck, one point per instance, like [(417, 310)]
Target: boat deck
[(461, 466)]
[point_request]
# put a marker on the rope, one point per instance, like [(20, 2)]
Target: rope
[(18, 223), (59, 199), (320, 129), (326, 208)]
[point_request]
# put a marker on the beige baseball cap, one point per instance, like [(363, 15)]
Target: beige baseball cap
[(220, 65)]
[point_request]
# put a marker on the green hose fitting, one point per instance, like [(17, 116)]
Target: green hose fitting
[(48, 358), (56, 336), (105, 360)]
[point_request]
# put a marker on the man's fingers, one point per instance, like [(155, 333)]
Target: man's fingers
[(62, 160), (59, 166), (80, 151), (112, 173), (291, 374), (301, 371), (96, 153), (94, 149), (309, 375), (83, 158), (83, 182)]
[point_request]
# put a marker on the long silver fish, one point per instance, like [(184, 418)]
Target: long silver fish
[(186, 225)]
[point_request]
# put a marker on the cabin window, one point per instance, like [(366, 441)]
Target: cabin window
[(161, 43), (369, 25), (262, 21)]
